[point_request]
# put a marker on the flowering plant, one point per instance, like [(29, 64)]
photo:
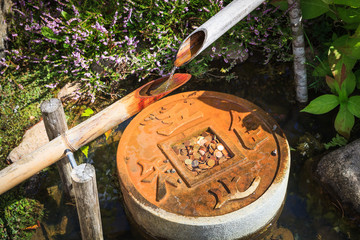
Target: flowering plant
[(102, 43)]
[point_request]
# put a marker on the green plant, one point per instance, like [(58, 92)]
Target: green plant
[(20, 215), (343, 55), (17, 214), (336, 141), (3, 232), (342, 85)]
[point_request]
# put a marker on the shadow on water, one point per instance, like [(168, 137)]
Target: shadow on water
[(307, 214)]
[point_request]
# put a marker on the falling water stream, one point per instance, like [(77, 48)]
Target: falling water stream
[(164, 86), (170, 77)]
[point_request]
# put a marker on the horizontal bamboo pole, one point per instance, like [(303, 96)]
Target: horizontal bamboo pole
[(85, 132)]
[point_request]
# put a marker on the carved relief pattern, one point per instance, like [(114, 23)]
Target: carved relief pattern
[(227, 191), (249, 138), (175, 118), (156, 169), (159, 170)]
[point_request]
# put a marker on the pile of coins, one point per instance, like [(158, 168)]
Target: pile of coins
[(201, 152)]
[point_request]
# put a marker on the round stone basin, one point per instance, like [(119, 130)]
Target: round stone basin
[(203, 165)]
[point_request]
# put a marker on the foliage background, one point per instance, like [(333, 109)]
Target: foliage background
[(110, 46)]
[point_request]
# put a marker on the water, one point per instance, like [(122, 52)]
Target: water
[(308, 213), (172, 72), (163, 87)]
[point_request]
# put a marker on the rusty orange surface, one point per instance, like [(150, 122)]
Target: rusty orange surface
[(153, 172)]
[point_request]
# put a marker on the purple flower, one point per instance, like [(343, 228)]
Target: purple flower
[(115, 19), (76, 12), (53, 85), (73, 19), (99, 27)]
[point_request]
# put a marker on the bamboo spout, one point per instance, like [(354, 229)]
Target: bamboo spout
[(86, 131), (212, 29)]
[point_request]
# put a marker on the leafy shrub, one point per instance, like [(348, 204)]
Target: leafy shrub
[(3, 232), (343, 55), (106, 44), (342, 86), (102, 43), (20, 215)]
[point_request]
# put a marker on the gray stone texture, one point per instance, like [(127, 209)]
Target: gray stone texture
[(340, 170)]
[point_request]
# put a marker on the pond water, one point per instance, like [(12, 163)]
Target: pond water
[(308, 213)]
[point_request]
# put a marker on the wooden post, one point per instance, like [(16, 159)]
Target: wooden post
[(5, 10), (87, 201), (55, 124)]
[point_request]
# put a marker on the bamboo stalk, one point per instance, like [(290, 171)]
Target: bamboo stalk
[(298, 45), (213, 28), (85, 132)]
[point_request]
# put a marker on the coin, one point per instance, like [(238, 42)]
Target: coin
[(211, 162), (188, 161), (220, 147), (218, 154), (195, 163)]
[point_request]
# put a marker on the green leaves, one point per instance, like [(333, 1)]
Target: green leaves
[(336, 141), (348, 45), (65, 15), (48, 33), (354, 105), (322, 104), (87, 113), (313, 8), (344, 121), (350, 83), (85, 150), (350, 3), (349, 15)]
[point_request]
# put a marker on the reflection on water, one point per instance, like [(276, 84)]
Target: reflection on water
[(307, 213)]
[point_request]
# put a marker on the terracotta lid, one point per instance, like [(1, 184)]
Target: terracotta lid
[(201, 154)]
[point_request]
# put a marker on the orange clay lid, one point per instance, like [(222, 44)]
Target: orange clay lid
[(201, 154)]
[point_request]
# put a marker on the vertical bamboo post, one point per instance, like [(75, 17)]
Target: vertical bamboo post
[(87, 201), (298, 45), (55, 124)]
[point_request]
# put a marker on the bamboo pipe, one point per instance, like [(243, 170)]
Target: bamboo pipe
[(212, 29), (86, 131)]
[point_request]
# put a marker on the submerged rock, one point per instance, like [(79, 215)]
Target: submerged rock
[(340, 170)]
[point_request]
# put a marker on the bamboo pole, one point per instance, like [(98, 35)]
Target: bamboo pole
[(213, 28), (85, 132), (87, 201), (298, 46), (55, 124)]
